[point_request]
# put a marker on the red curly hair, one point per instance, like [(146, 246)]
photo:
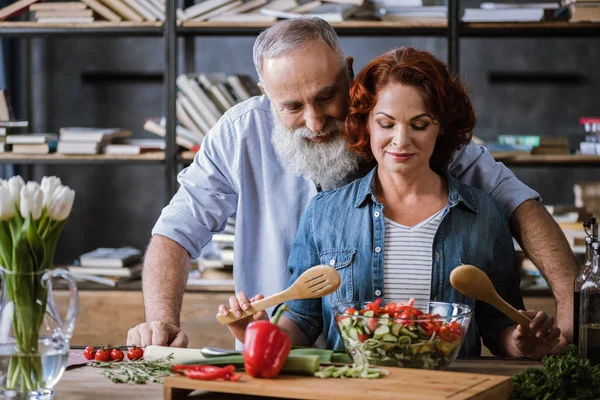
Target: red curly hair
[(444, 95)]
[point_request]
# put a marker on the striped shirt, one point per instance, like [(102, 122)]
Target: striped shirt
[(407, 262)]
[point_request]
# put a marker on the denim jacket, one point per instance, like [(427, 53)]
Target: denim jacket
[(344, 228)]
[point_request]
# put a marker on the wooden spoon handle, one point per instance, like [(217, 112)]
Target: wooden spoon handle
[(519, 318), (255, 306)]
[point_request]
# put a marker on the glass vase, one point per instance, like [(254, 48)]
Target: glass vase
[(34, 338)]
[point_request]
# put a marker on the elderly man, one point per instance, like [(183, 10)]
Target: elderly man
[(267, 157)]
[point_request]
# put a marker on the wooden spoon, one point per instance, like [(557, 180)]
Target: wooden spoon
[(473, 282), (317, 281)]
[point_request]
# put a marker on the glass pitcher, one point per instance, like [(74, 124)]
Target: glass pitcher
[(34, 339)]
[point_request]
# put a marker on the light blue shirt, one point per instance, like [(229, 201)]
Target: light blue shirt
[(238, 172)]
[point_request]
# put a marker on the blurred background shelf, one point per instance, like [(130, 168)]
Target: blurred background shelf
[(157, 158), (92, 28), (363, 28), (530, 29), (527, 159)]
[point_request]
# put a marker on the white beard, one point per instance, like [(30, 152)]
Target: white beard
[(330, 163)]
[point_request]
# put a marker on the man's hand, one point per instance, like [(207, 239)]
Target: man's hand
[(541, 340), (238, 303), (157, 333)]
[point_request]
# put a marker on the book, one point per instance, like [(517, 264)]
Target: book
[(190, 88), (153, 125), (306, 7), (79, 147), (58, 5), (5, 109), (213, 83), (140, 9), (16, 8), (131, 271), (189, 117), (203, 7), (527, 142), (352, 2), (14, 124), (151, 7), (135, 146), (123, 10), (503, 15), (66, 20), (64, 13), (102, 10), (110, 257), (31, 138), (41, 148), (247, 17), (217, 11), (113, 281), (334, 12), (282, 5), (248, 6), (585, 13), (85, 134)]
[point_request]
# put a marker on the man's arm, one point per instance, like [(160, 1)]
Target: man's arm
[(532, 226), (545, 244), (164, 276)]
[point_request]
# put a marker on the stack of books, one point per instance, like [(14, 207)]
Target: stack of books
[(270, 11), (536, 144), (109, 266), (8, 124), (513, 12), (62, 12), (411, 11), (86, 11), (202, 99), (32, 143), (78, 140)]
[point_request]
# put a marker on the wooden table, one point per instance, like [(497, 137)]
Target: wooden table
[(87, 383)]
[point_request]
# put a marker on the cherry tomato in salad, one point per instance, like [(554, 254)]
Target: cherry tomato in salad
[(117, 355), (135, 353), (350, 310), (102, 355), (445, 334), (89, 353), (372, 324)]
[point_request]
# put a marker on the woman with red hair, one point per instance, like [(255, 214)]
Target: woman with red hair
[(399, 232)]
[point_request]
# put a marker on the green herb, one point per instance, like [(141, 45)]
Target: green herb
[(562, 377), (138, 371)]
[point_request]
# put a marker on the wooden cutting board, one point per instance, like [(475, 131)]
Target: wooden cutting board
[(400, 384)]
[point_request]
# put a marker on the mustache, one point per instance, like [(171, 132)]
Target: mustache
[(331, 127)]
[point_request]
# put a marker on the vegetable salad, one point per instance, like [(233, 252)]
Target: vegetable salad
[(399, 335)]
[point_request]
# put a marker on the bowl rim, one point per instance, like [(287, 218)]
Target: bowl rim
[(461, 315)]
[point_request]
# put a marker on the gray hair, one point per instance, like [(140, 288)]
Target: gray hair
[(290, 35)]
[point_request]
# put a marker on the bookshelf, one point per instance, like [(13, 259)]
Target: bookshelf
[(188, 32)]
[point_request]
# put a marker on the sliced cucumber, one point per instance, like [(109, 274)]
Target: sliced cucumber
[(369, 313), (383, 321), (353, 333), (382, 330), (367, 330), (346, 321), (389, 338)]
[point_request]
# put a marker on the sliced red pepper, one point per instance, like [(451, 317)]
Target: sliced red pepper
[(204, 372), (372, 324), (363, 337)]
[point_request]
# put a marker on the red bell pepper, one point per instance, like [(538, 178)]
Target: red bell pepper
[(207, 372), (266, 347)]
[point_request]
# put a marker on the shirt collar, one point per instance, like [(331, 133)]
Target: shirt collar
[(457, 191)]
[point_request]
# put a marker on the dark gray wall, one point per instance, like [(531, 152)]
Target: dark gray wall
[(118, 205)]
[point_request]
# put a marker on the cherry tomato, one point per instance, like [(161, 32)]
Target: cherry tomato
[(89, 353), (135, 353), (102, 355), (350, 310), (117, 355), (445, 334), (363, 337), (372, 324)]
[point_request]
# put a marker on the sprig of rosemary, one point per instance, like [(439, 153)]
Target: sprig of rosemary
[(138, 372)]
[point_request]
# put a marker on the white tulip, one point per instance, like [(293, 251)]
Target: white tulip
[(61, 204), (49, 186), (32, 200), (7, 206), (15, 184)]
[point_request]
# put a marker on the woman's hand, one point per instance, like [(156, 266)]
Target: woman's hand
[(238, 303), (542, 339)]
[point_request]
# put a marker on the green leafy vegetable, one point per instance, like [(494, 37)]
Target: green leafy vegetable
[(562, 377)]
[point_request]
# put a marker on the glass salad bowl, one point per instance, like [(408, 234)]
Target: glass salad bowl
[(400, 335)]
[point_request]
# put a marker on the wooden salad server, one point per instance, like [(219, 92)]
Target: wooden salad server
[(472, 281), (317, 281)]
